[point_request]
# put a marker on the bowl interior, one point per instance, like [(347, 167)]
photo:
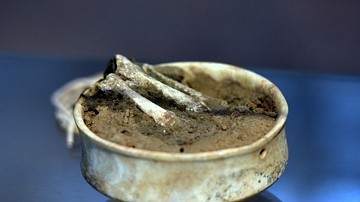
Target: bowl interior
[(216, 72)]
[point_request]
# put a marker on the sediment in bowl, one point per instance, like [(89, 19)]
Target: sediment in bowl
[(232, 174)]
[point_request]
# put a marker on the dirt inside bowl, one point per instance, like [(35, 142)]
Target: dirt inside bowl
[(249, 117)]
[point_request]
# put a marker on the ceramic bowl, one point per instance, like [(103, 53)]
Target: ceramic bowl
[(130, 174)]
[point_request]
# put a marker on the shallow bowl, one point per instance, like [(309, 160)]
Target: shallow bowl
[(131, 174)]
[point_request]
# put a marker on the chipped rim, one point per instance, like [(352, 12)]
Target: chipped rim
[(274, 92)]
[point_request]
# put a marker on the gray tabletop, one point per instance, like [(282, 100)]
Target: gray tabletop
[(323, 132)]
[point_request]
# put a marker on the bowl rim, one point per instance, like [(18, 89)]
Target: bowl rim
[(280, 121)]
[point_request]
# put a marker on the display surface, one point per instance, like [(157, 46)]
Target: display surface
[(322, 131)]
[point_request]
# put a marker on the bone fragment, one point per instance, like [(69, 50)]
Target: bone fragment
[(130, 71), (218, 103), (161, 116)]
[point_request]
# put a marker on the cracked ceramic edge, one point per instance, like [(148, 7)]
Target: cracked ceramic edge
[(64, 100)]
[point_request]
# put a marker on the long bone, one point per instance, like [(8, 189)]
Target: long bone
[(136, 78), (214, 103), (161, 116)]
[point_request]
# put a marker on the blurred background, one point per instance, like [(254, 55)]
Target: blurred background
[(318, 36), (316, 42)]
